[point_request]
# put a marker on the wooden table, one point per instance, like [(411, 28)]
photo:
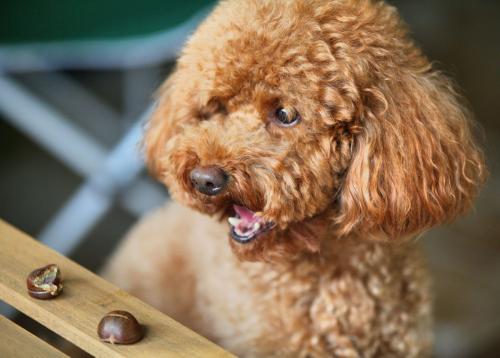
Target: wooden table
[(75, 314), (17, 342)]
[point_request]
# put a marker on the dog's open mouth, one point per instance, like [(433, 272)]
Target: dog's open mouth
[(246, 225)]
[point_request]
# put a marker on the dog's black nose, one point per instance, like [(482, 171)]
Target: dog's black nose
[(209, 180)]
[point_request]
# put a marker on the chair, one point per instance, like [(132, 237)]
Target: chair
[(58, 35)]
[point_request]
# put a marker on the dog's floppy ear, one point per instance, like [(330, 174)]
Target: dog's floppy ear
[(415, 164)]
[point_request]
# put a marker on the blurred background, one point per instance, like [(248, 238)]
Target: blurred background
[(77, 79)]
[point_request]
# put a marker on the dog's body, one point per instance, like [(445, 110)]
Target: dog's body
[(359, 299), (324, 136)]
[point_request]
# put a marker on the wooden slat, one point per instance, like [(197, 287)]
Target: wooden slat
[(85, 299), (15, 341)]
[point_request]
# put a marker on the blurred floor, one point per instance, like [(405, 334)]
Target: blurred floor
[(462, 36)]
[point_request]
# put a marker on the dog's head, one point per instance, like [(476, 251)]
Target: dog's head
[(288, 117)]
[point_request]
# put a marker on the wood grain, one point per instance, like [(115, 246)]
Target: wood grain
[(85, 299), (17, 342)]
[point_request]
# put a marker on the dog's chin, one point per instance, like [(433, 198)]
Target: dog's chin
[(246, 226)]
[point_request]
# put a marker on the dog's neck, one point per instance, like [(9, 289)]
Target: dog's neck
[(313, 240)]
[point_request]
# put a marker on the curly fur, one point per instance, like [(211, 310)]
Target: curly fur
[(384, 152)]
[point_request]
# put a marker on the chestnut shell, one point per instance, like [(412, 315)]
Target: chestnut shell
[(45, 282), (119, 327)]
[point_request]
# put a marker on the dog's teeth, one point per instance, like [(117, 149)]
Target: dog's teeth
[(239, 232), (256, 226), (234, 221)]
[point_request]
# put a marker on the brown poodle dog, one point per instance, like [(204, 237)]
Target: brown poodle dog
[(322, 134)]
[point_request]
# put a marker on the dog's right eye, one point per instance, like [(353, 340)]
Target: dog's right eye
[(286, 117), (213, 107)]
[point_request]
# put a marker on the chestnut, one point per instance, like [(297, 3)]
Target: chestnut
[(119, 327), (45, 282)]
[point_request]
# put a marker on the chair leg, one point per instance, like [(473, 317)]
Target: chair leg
[(50, 129), (95, 196), (107, 175)]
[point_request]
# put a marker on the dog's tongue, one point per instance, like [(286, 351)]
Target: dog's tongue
[(245, 214)]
